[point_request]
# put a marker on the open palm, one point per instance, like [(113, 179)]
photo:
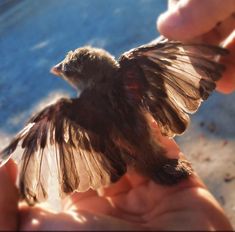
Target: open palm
[(133, 203)]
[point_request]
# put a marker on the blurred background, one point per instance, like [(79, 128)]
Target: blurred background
[(35, 35)]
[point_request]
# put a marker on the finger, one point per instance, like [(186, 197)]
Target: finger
[(219, 33), (122, 186), (135, 179), (227, 83), (39, 219), (76, 197), (189, 18), (8, 197), (89, 201), (11, 168)]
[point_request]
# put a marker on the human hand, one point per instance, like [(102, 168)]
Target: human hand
[(9, 218), (208, 21), (133, 203)]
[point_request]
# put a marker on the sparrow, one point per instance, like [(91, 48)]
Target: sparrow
[(94, 138)]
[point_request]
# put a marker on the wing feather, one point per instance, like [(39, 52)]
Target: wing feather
[(171, 80), (54, 142)]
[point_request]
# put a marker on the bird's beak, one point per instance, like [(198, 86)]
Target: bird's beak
[(57, 69)]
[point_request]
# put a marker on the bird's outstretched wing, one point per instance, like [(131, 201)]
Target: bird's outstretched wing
[(58, 138), (170, 79)]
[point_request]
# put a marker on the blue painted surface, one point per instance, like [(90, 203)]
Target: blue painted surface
[(34, 35)]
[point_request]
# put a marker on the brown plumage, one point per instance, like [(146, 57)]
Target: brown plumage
[(92, 139)]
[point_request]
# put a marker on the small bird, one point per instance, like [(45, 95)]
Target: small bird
[(95, 137)]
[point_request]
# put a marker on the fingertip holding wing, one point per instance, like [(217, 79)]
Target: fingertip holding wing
[(189, 19), (177, 76)]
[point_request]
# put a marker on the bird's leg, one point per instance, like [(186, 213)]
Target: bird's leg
[(171, 171), (154, 163), (163, 170)]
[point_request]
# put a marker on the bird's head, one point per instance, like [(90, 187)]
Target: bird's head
[(85, 67)]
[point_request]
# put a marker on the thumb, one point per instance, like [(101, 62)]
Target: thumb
[(188, 19), (8, 197)]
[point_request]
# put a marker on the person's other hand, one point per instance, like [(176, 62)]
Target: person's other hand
[(208, 21)]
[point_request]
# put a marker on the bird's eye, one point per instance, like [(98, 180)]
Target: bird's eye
[(67, 70), (65, 67)]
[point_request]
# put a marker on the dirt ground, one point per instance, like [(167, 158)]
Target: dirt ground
[(209, 144)]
